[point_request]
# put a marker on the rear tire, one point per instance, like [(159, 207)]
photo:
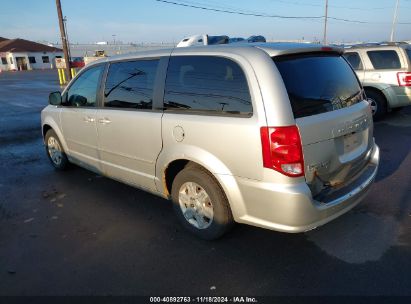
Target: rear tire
[(55, 151), (378, 104), (200, 204)]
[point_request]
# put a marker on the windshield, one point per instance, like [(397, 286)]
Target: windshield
[(318, 83)]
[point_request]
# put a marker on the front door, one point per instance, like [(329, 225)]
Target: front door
[(21, 63), (129, 130), (78, 118)]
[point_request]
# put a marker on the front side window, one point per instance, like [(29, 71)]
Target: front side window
[(3, 60), (384, 60), (83, 92), (130, 84), (45, 59), (354, 59), (318, 83), (32, 59), (206, 83)]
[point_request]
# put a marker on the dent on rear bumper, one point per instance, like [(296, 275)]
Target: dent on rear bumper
[(291, 208)]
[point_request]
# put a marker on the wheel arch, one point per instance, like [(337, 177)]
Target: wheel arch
[(173, 165), (49, 124), (378, 90)]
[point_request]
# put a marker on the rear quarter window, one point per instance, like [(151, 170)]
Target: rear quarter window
[(409, 54), (384, 60), (210, 84), (354, 59), (318, 83)]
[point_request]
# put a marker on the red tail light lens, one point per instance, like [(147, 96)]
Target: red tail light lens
[(282, 150), (404, 79)]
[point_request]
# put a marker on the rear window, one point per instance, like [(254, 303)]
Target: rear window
[(384, 60), (318, 83)]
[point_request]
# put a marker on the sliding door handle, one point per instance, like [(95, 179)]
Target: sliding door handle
[(89, 119)]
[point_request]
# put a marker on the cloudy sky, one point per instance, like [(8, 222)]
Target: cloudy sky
[(158, 21)]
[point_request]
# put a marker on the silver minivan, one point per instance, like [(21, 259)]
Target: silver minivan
[(278, 136)]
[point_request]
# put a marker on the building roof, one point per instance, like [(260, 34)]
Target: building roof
[(22, 45)]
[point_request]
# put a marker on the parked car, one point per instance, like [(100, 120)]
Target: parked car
[(278, 136), (77, 62), (235, 39), (257, 38), (198, 40), (385, 72)]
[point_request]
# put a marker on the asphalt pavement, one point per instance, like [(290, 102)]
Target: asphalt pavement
[(76, 233)]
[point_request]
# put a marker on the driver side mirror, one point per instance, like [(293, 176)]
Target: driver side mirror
[(55, 99)]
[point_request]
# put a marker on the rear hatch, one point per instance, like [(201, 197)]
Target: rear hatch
[(333, 118)]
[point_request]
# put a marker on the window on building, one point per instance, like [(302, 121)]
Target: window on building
[(3, 60), (384, 60), (354, 59), (11, 60), (46, 59), (130, 84), (208, 84), (32, 59)]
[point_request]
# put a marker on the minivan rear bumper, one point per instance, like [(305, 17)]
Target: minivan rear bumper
[(292, 208)]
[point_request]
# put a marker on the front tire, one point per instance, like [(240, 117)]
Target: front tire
[(200, 204), (55, 151)]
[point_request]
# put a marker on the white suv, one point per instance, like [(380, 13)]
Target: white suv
[(385, 73)]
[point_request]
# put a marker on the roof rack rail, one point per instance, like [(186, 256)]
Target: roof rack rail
[(368, 44)]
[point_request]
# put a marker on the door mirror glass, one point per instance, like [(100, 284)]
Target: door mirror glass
[(55, 98)]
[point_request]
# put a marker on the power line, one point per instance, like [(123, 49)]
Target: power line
[(236, 11), (334, 6), (239, 12)]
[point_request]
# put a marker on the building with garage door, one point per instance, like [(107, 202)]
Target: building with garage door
[(21, 54)]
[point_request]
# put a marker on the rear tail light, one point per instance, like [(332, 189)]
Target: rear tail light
[(282, 150), (404, 79)]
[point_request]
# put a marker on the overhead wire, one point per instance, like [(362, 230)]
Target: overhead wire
[(231, 10), (238, 12)]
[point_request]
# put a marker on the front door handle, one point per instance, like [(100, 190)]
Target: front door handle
[(89, 119), (104, 121)]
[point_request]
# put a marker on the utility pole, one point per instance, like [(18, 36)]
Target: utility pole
[(63, 39), (325, 22), (67, 37), (394, 21)]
